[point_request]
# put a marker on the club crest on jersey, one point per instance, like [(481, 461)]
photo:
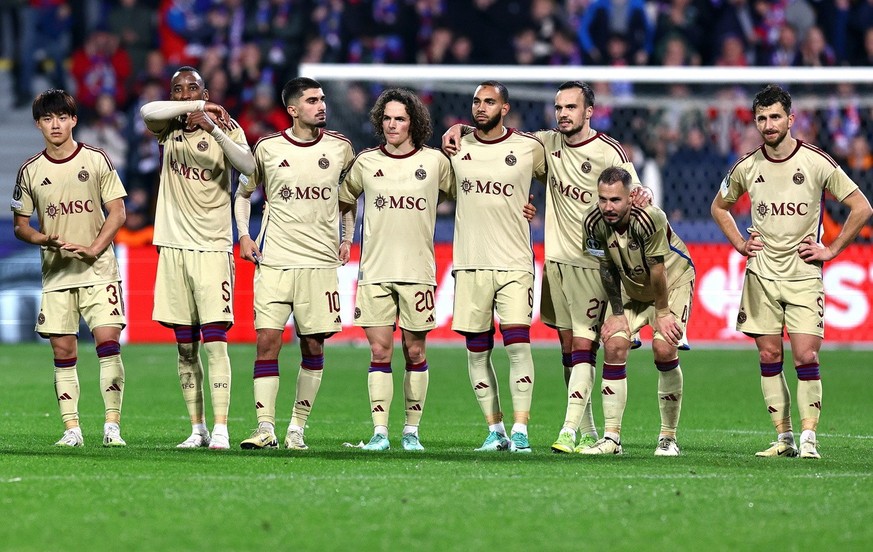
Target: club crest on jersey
[(421, 174), (203, 145), (40, 319), (798, 178), (511, 160), (594, 247), (357, 313), (380, 202), (83, 176), (586, 167), (466, 186), (323, 163), (741, 317), (633, 246), (285, 193)]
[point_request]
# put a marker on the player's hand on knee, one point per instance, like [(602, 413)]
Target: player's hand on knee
[(613, 324), (669, 329)]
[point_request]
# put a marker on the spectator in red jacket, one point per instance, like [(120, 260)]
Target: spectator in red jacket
[(101, 66)]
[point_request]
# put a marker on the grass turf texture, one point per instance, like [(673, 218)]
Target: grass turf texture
[(151, 496)]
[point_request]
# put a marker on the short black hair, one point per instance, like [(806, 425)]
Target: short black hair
[(54, 101), (770, 95), (419, 117), (611, 175), (294, 88), (499, 86), (586, 89)]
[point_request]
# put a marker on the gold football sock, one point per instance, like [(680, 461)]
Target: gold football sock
[(579, 397), (67, 390), (776, 396), (111, 379), (516, 341), (809, 395), (483, 379), (613, 391), (219, 374), (190, 370), (308, 382), (415, 382), (669, 396), (266, 389), (380, 382)]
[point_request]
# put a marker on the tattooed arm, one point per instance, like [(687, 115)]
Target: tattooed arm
[(617, 321)]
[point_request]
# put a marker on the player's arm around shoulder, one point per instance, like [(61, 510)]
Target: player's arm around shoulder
[(158, 114), (235, 146)]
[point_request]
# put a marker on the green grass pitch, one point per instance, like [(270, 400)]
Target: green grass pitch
[(151, 496)]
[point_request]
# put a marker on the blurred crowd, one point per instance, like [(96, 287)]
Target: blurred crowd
[(117, 55)]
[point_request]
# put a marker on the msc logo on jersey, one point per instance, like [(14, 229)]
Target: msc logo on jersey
[(190, 173), (83, 176), (511, 160), (786, 208), (72, 207), (400, 202), (323, 163), (586, 167), (571, 191), (489, 187), (203, 145), (306, 192), (798, 178), (421, 174)]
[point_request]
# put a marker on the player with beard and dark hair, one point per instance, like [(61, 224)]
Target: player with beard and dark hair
[(649, 280), (783, 289), (493, 259), (297, 253)]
